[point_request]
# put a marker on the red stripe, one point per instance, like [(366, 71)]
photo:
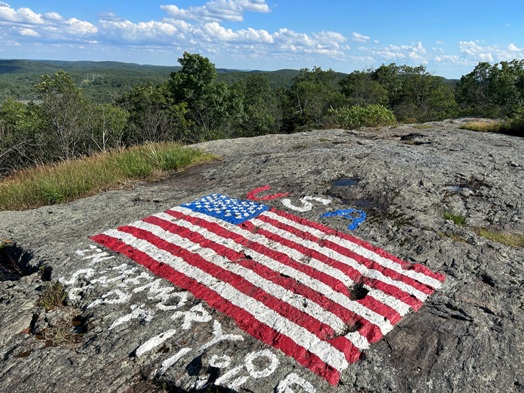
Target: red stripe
[(368, 330), (244, 320), (347, 252), (385, 310), (323, 332), (283, 308), (405, 265)]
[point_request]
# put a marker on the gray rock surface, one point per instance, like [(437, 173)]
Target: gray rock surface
[(119, 334)]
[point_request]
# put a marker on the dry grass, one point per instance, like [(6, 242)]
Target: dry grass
[(74, 179), (506, 238), (54, 296), (482, 126)]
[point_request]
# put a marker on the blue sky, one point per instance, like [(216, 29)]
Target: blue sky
[(448, 37)]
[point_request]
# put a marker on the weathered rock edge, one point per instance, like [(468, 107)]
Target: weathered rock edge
[(467, 337)]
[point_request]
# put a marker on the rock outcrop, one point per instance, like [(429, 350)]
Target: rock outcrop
[(433, 194)]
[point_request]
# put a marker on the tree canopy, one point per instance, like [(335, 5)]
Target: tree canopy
[(192, 104)]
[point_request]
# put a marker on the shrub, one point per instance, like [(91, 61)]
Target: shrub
[(515, 124), (363, 116)]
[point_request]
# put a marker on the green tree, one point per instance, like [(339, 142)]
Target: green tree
[(262, 108), (65, 110), (212, 108), (492, 90), (311, 96), (414, 94), (21, 141), (361, 89), (149, 120), (108, 126)]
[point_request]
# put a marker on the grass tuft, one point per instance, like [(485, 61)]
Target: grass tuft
[(456, 218), (54, 296), (506, 238), (74, 179)]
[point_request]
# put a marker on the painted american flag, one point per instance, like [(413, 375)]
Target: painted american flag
[(316, 294)]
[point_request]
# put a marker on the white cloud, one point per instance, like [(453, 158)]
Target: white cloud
[(80, 27), (490, 53), (414, 53), (22, 15), (450, 59), (214, 31), (143, 32), (29, 33), (475, 51), (49, 27), (217, 10), (360, 38), (53, 16)]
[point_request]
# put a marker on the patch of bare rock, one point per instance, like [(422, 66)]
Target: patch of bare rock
[(449, 199)]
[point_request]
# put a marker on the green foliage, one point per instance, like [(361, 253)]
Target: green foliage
[(261, 106), (212, 108), (514, 125), (456, 218), (102, 82), (87, 107), (415, 95), (310, 98), (54, 296), (361, 89), (363, 116), (108, 126), (492, 90), (64, 110), (21, 139), (152, 116)]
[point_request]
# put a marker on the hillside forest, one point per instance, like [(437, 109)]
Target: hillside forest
[(63, 118)]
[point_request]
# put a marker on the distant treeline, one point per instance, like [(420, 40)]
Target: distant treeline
[(64, 117)]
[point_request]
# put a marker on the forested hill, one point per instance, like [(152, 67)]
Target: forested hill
[(105, 81), (102, 81)]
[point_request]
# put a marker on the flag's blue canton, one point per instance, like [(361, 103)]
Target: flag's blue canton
[(234, 211)]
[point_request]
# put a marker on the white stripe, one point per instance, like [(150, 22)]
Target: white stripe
[(384, 325), (358, 340), (365, 271), (303, 338), (358, 249), (304, 304)]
